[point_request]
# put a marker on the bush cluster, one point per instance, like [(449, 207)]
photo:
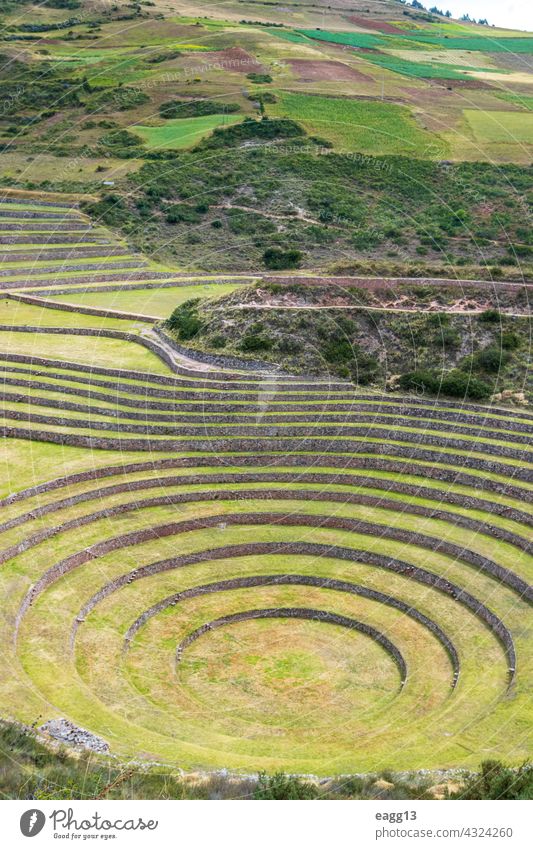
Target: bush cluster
[(185, 320), (456, 383), (195, 108)]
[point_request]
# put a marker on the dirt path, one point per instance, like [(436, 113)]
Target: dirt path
[(369, 309)]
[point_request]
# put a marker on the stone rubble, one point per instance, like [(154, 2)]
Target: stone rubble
[(72, 735)]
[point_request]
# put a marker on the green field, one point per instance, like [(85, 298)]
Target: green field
[(156, 302), (413, 40), (356, 125), (502, 126), (180, 133)]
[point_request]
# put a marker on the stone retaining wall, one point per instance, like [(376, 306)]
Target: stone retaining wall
[(84, 251), (291, 549), (256, 421), (77, 308), (293, 460), (415, 490), (300, 613), (202, 379), (307, 581)]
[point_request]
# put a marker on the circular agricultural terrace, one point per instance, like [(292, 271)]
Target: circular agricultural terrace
[(254, 571)]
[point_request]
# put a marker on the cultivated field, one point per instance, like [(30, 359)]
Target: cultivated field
[(220, 567), (260, 265)]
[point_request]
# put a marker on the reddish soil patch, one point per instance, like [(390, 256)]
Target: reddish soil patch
[(310, 70), (378, 26), (234, 59), (473, 84)]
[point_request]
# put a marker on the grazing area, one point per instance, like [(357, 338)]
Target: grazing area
[(265, 340)]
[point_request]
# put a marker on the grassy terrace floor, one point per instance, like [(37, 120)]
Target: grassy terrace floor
[(143, 498)]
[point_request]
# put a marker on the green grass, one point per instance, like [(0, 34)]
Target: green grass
[(18, 312), (180, 133), (500, 126), (356, 125), (301, 696), (524, 100), (156, 302), (90, 350), (156, 690), (478, 43)]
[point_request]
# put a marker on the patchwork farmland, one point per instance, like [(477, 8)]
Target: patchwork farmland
[(229, 567)]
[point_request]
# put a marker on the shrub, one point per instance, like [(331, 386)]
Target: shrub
[(455, 383), (259, 78), (490, 316), (195, 108), (277, 259), (338, 350), (254, 342), (491, 359), (281, 786), (497, 781), (185, 320)]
